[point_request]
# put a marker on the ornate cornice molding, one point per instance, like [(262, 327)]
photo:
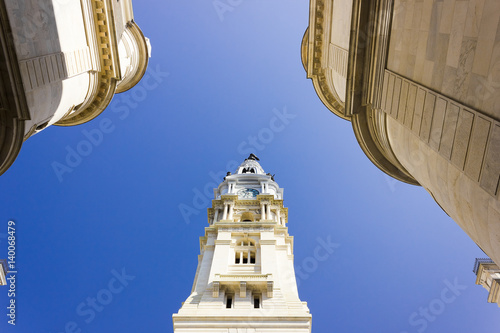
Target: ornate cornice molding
[(244, 226), (222, 242), (370, 28), (303, 49), (200, 322), (312, 52), (233, 199), (142, 55), (109, 67), (370, 130), (322, 88)]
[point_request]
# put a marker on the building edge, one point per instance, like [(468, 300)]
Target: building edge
[(19, 119), (13, 102), (369, 125)]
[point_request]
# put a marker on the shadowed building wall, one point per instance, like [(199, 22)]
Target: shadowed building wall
[(420, 83), (61, 63)]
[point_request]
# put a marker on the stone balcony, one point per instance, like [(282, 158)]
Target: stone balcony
[(488, 276), (242, 282)]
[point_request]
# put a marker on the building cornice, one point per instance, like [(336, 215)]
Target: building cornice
[(109, 72), (304, 49), (370, 130), (142, 58), (488, 276), (241, 321), (367, 61), (233, 198), (370, 27), (312, 54), (231, 224)]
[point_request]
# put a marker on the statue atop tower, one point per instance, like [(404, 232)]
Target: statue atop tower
[(253, 157)]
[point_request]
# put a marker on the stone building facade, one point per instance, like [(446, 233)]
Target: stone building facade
[(245, 280), (488, 276), (61, 62), (419, 81)]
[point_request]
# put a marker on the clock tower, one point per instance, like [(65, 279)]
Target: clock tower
[(245, 280)]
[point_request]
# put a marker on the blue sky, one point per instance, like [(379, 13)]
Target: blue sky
[(218, 87)]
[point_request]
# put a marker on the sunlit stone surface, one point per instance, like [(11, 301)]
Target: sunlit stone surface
[(422, 91), (62, 64), (245, 280)]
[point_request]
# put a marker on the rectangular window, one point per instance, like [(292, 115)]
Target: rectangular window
[(252, 260), (256, 302), (229, 301), (237, 261)]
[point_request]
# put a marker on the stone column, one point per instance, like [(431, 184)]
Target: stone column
[(224, 215), (231, 210), (216, 214)]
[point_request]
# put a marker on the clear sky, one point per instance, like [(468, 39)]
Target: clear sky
[(218, 88)]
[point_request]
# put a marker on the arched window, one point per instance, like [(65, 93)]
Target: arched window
[(248, 170), (247, 217), (245, 252)]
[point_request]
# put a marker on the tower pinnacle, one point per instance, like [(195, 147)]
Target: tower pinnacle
[(250, 165)]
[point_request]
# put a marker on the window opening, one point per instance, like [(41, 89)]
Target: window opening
[(245, 252), (256, 302), (248, 170), (247, 217)]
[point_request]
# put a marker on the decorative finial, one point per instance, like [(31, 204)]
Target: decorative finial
[(253, 157)]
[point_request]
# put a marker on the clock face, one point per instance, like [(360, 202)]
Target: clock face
[(247, 193)]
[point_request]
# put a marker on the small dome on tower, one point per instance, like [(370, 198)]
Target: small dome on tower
[(250, 165)]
